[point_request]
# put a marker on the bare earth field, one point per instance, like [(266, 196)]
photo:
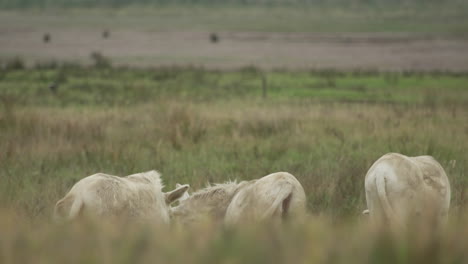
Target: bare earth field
[(144, 42), (269, 50)]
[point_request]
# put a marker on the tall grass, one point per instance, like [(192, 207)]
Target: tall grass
[(199, 126), (316, 241)]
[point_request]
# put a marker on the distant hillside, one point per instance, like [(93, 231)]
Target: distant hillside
[(123, 3)]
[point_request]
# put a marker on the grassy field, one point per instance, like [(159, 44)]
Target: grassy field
[(436, 18), (61, 121), (388, 38), (197, 126)]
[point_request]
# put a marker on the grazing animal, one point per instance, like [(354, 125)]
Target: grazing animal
[(274, 197), (214, 38), (105, 33), (137, 196), (402, 190), (53, 87), (46, 38)]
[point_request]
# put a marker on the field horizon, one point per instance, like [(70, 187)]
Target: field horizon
[(397, 38)]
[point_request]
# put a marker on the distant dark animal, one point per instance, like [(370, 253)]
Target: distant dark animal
[(46, 38), (214, 38), (106, 33), (53, 87)]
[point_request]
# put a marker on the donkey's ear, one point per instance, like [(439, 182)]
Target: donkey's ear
[(176, 194)]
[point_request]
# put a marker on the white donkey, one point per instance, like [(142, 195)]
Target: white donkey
[(136, 196), (401, 189), (274, 197)]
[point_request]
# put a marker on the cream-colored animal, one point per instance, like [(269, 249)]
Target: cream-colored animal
[(274, 197), (403, 189), (137, 196)]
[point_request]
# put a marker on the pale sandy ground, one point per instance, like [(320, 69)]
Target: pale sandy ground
[(380, 51)]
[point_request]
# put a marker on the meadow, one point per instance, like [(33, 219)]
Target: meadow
[(62, 122), (448, 18), (342, 35)]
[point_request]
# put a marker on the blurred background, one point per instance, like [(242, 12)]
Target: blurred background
[(340, 34)]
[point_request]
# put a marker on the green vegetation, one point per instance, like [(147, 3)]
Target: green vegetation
[(201, 126), (124, 3), (78, 86), (61, 123), (447, 18)]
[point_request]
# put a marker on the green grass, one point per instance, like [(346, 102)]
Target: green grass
[(80, 86), (436, 18), (210, 125), (198, 126)]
